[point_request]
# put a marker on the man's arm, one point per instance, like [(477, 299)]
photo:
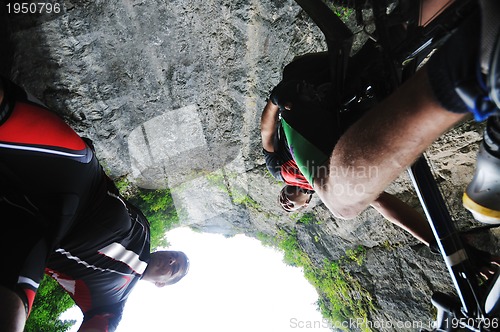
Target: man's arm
[(13, 314), (382, 144), (103, 319), (402, 215), (268, 125), (268, 122), (98, 323), (102, 322)]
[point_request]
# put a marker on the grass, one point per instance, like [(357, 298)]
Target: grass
[(306, 218), (356, 255), (156, 205), (342, 12), (238, 197), (341, 296), (247, 201)]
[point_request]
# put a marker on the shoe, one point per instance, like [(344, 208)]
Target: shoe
[(482, 196)]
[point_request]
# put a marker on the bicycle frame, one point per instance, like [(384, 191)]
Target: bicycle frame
[(475, 307), (475, 303)]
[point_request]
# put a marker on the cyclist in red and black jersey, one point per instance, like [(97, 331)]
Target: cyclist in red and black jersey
[(63, 216)]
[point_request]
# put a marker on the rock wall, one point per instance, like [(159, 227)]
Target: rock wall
[(171, 92)]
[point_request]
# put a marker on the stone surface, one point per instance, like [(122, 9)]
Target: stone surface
[(171, 92)]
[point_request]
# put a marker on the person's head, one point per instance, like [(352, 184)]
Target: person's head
[(292, 198), (166, 267)]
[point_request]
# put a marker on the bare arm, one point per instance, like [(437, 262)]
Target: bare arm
[(404, 216), (98, 323), (12, 315), (382, 144), (268, 123), (84, 329), (431, 8)]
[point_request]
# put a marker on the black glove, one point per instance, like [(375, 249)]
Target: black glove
[(285, 93)]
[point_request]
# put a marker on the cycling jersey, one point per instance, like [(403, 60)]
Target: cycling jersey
[(285, 163), (64, 215), (311, 131), (281, 164), (99, 262), (312, 127)]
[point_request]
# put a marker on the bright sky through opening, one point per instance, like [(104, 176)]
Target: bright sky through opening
[(234, 284)]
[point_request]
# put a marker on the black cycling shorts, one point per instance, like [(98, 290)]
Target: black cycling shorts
[(46, 173)]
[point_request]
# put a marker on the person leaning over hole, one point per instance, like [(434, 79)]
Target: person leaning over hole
[(348, 158), (299, 111)]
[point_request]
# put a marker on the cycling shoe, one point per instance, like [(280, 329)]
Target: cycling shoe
[(482, 196)]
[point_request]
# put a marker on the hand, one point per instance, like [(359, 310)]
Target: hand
[(284, 95)]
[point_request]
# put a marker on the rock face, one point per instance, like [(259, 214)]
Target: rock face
[(171, 92)]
